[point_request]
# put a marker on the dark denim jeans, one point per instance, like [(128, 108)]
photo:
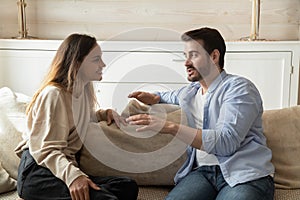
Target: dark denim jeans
[(207, 183), (38, 183)]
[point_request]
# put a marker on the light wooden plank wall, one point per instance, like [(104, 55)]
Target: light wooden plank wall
[(126, 20)]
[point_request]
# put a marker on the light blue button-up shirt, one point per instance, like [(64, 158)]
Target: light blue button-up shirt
[(232, 128)]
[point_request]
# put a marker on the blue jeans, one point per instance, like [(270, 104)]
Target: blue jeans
[(207, 183)]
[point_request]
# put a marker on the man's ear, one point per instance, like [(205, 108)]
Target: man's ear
[(215, 56)]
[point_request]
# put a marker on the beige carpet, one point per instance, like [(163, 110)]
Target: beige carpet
[(159, 193), (13, 195), (153, 193)]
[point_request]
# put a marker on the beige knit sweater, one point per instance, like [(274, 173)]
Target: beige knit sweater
[(51, 137)]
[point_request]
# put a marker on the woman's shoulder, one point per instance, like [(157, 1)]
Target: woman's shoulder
[(50, 90), (53, 92)]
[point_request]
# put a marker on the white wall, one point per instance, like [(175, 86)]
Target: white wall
[(55, 19)]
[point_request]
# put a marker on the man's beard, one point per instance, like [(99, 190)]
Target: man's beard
[(194, 79), (197, 76)]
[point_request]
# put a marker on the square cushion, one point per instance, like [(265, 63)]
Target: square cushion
[(12, 124), (147, 157), (282, 129)]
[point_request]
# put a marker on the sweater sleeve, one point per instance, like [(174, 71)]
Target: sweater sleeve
[(50, 137)]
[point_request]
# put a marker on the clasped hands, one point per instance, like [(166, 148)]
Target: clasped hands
[(148, 122)]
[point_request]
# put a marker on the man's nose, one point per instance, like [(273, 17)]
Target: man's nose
[(188, 62)]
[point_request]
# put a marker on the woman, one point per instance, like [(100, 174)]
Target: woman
[(57, 119)]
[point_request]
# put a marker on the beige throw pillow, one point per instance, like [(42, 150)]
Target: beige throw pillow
[(282, 129), (126, 141)]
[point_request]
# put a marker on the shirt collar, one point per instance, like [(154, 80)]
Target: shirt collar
[(214, 84), (217, 81)]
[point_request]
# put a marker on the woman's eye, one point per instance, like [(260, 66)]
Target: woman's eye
[(96, 60)]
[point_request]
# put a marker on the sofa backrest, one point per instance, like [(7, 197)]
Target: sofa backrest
[(282, 129)]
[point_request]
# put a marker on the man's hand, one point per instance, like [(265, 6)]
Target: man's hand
[(153, 123), (145, 97), (79, 188), (188, 135)]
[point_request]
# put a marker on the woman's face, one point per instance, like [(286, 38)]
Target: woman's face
[(92, 65)]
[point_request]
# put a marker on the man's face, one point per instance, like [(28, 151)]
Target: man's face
[(197, 61)]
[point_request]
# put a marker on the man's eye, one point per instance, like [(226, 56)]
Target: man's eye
[(194, 54)]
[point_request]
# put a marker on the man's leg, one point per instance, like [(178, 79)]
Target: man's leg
[(261, 189), (197, 185)]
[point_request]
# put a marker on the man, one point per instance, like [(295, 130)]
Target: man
[(228, 157)]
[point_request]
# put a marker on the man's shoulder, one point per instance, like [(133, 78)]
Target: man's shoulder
[(237, 78), (237, 81)]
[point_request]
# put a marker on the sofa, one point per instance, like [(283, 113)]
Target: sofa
[(281, 127)]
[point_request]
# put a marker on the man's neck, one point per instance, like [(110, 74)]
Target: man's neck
[(206, 82)]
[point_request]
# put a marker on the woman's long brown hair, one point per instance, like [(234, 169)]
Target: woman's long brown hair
[(65, 66)]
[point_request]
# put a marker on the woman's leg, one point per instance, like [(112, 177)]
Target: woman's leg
[(122, 187), (38, 183)]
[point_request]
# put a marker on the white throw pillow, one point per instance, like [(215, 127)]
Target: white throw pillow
[(6, 182), (12, 125)]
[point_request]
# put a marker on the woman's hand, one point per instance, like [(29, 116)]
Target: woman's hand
[(79, 188), (113, 116)]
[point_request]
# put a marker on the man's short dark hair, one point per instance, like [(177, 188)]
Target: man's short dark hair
[(211, 38)]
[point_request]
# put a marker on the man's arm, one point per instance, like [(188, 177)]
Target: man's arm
[(145, 97), (169, 97)]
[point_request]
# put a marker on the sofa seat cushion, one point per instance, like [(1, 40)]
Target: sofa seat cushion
[(282, 129), (282, 194)]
